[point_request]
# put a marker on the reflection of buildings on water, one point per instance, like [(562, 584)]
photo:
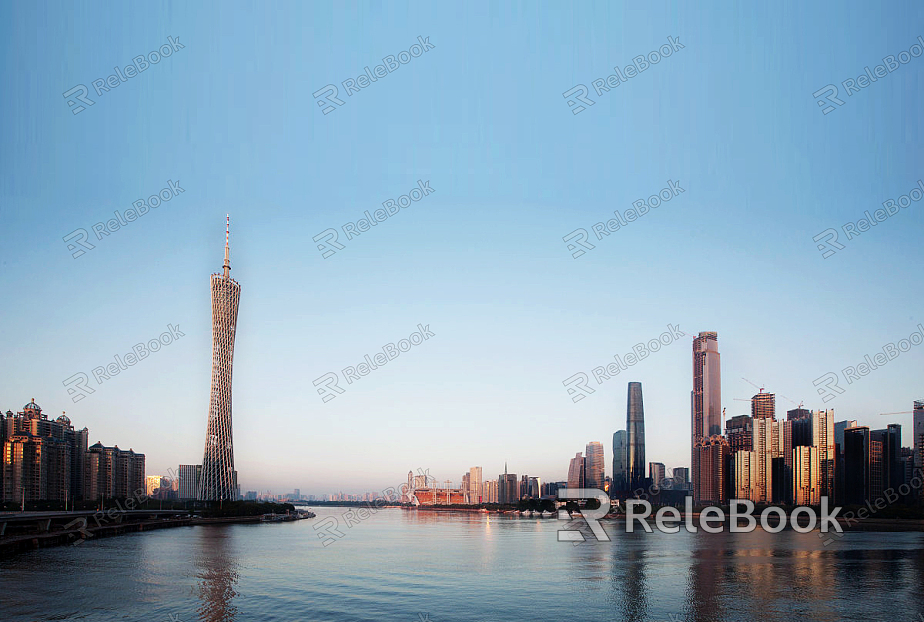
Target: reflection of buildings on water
[(760, 576), (216, 568)]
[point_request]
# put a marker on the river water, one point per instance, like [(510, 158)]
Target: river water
[(412, 566)]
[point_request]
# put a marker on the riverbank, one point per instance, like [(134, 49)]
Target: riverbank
[(11, 545)]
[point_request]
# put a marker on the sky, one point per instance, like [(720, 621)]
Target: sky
[(232, 120)]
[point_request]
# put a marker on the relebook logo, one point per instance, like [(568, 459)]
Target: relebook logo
[(712, 519)]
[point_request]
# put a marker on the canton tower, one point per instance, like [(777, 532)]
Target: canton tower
[(218, 480)]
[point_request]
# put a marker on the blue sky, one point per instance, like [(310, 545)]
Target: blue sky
[(481, 260)]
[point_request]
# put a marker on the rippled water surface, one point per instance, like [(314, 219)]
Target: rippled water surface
[(409, 566)]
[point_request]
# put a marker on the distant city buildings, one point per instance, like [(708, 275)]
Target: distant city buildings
[(48, 460)]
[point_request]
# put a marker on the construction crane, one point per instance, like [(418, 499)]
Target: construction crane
[(761, 390), (904, 412)]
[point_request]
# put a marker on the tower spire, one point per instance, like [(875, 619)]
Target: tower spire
[(228, 245)]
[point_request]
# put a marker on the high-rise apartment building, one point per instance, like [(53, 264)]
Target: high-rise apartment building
[(114, 473), (218, 479), (635, 436), (594, 469), (620, 464), (767, 446), (490, 492), (705, 406), (763, 406), (807, 475), (713, 479)]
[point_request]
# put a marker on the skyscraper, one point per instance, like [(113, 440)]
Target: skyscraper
[(705, 401), (763, 406), (657, 472), (917, 440), (218, 479), (635, 428), (576, 471), (620, 466), (594, 465)]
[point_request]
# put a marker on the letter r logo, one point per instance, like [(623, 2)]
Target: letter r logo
[(830, 98), (77, 386), (329, 102), (581, 91), (579, 236), (325, 238), (830, 390), (577, 386), (330, 390), (827, 243), (80, 90), (590, 516), (79, 237)]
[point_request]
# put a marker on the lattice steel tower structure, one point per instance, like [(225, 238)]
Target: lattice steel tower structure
[(218, 479)]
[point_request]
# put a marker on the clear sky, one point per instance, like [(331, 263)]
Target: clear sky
[(232, 118)]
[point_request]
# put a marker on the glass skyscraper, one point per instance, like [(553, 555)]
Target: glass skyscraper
[(635, 434)]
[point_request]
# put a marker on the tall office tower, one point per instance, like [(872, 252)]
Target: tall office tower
[(705, 401), (739, 431), (594, 465), (218, 477), (535, 487), (858, 452), (620, 466), (576, 472), (657, 472), (713, 480), (839, 473), (763, 406), (466, 485), (189, 480), (507, 488), (635, 436), (767, 446), (892, 470)]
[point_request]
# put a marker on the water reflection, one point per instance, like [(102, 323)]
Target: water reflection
[(217, 573)]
